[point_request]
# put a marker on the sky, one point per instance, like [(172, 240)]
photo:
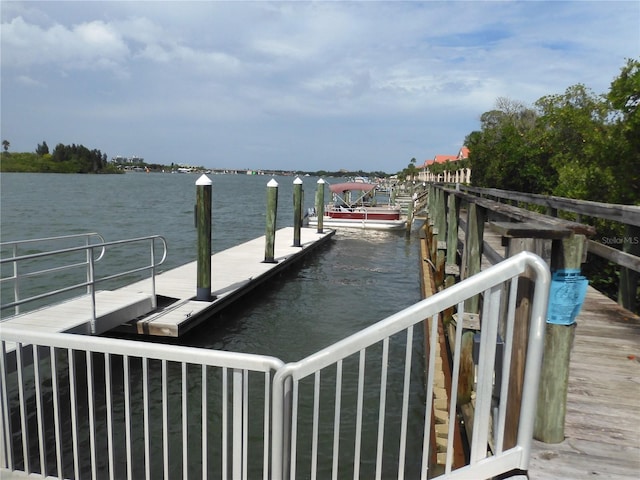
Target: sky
[(363, 85)]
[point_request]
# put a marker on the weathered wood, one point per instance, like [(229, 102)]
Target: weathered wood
[(473, 249), (320, 204), (602, 439), (552, 398), (522, 215), (624, 259), (453, 212), (628, 286), (530, 230), (549, 426), (297, 211), (627, 214), (203, 221), (520, 336), (272, 214)]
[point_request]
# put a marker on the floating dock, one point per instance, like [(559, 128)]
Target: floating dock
[(234, 272)]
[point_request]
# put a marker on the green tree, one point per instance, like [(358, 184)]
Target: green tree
[(624, 98), (573, 132), (43, 149), (504, 153), (5, 145)]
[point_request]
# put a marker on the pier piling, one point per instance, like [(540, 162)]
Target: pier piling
[(297, 211), (320, 204), (272, 210), (203, 227)]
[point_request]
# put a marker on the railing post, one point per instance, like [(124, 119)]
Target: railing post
[(554, 375), (92, 286), (474, 235), (272, 210), (453, 211), (628, 285), (297, 211), (154, 300), (520, 337), (203, 225), (320, 204)]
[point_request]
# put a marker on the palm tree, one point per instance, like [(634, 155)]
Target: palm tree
[(5, 145)]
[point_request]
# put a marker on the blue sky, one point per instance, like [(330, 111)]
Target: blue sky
[(292, 85)]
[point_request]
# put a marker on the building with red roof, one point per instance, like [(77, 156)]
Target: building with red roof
[(454, 174)]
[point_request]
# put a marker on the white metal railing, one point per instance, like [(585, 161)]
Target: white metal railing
[(16, 246), (79, 405), (345, 455), (348, 411), (92, 253)]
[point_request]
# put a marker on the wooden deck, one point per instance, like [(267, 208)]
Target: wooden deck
[(235, 272), (602, 424)]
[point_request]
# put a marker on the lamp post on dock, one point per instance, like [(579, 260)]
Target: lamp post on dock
[(203, 227)]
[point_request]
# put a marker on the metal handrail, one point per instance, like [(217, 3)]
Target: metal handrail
[(18, 243), (273, 404), (489, 283), (91, 281)]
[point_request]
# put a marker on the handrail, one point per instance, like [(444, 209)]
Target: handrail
[(627, 214), (136, 384), (18, 243), (489, 283), (91, 281)]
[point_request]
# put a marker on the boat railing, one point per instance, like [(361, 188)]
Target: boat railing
[(31, 266)]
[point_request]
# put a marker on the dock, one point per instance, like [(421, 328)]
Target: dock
[(602, 423), (235, 272)]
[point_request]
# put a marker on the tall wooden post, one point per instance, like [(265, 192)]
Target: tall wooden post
[(203, 226), (320, 205), (297, 211), (628, 285), (558, 342), (453, 210), (272, 210), (474, 243)]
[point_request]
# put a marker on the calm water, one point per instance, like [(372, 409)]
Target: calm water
[(359, 278)]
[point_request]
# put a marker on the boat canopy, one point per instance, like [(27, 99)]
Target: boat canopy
[(348, 186)]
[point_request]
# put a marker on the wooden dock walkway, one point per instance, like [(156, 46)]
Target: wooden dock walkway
[(235, 272), (602, 423)]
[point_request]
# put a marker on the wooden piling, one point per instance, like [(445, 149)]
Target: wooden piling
[(473, 249), (297, 211), (554, 375), (320, 204), (272, 210), (203, 226)]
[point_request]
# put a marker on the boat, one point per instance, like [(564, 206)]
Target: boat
[(354, 205)]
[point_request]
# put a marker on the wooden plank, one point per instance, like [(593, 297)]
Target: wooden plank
[(602, 438)]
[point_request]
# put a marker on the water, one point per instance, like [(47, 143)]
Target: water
[(357, 279)]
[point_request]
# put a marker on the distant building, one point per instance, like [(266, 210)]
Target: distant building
[(134, 159), (451, 173)]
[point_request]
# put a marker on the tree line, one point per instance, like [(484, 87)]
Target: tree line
[(576, 144), (63, 159)]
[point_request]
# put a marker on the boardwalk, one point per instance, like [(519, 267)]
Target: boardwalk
[(602, 425)]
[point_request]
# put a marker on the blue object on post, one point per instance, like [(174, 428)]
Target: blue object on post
[(566, 296)]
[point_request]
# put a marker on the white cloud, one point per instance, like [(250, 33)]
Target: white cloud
[(87, 45), (427, 67)]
